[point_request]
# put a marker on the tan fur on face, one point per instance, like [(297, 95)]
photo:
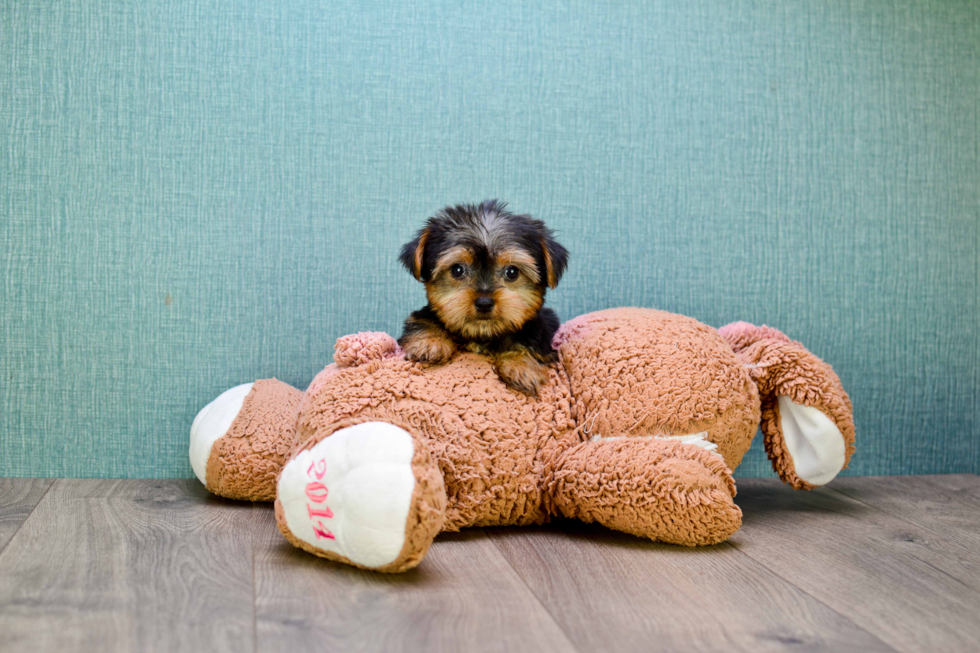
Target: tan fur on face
[(450, 258), (517, 304), (453, 301), (524, 262)]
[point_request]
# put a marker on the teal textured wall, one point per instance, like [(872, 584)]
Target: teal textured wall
[(197, 194)]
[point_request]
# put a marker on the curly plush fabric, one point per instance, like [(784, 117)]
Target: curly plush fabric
[(245, 462), (638, 428), (365, 346), (491, 443), (426, 513), (661, 489), (784, 367), (638, 371)]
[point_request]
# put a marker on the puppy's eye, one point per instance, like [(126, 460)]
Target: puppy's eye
[(511, 272), (457, 271)]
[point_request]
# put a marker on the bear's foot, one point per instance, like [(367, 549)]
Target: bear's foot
[(241, 440), (212, 423), (368, 494), (673, 490)]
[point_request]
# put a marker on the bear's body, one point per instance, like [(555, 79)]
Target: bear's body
[(638, 428), (491, 444)]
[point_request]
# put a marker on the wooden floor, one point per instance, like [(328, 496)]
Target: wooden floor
[(867, 564)]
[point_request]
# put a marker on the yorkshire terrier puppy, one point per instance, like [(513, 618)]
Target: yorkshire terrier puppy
[(486, 271)]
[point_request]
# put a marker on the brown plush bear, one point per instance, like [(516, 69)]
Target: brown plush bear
[(638, 428)]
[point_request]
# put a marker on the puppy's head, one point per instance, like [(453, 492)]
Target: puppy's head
[(485, 269)]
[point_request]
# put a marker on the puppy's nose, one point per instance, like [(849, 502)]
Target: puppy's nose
[(483, 304)]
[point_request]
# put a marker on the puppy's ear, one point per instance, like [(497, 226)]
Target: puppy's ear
[(413, 253), (555, 259)]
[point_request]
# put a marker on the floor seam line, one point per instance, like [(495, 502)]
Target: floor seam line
[(806, 593), (886, 512), (255, 592), (33, 509), (952, 494), (551, 616)]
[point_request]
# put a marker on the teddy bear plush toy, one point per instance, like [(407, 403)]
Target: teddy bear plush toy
[(638, 428)]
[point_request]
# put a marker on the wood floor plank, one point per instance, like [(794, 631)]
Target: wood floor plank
[(965, 487), (18, 496), (615, 592), (942, 505), (913, 588), (463, 597), (129, 566), (866, 564)]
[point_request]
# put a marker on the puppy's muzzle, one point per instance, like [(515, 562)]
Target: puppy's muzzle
[(483, 304)]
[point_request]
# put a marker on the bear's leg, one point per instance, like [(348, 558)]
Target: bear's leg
[(241, 440), (807, 418), (663, 489), (366, 493)]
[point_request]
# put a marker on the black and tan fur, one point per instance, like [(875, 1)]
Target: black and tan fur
[(486, 271)]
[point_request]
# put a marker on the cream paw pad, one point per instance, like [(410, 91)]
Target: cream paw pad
[(212, 423), (367, 494)]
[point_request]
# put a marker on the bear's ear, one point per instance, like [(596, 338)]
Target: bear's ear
[(555, 259), (413, 253)]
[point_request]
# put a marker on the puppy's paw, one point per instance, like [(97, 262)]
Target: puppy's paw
[(429, 347), (522, 372)]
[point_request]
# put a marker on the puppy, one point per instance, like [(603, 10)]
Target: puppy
[(486, 271)]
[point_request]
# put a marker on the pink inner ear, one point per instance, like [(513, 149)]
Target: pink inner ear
[(365, 346)]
